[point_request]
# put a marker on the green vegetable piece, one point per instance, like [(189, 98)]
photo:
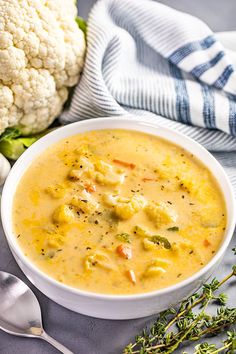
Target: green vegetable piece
[(160, 239), (13, 143), (174, 228), (141, 232), (82, 24), (155, 239), (124, 237)]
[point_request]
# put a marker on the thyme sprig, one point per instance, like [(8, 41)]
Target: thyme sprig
[(191, 322)]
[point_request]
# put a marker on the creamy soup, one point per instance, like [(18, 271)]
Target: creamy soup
[(118, 212)]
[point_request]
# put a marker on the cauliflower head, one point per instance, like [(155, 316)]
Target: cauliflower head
[(41, 55)]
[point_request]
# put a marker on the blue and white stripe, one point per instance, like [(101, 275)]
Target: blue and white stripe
[(200, 69), (178, 55), (148, 59)]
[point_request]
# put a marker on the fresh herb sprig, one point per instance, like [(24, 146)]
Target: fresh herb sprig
[(176, 326)]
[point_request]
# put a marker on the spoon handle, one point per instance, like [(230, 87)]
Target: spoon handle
[(55, 343)]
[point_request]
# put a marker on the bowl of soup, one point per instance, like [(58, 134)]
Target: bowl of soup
[(117, 218)]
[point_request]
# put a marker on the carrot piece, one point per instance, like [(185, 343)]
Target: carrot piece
[(131, 276), (206, 243), (146, 179), (124, 251), (125, 164), (90, 188)]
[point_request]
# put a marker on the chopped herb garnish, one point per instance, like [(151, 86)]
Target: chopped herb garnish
[(174, 228), (124, 237)]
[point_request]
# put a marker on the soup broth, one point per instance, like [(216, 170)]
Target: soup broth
[(118, 212)]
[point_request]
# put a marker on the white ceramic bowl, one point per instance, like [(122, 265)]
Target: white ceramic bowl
[(112, 306)]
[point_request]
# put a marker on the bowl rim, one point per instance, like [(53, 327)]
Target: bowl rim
[(140, 121)]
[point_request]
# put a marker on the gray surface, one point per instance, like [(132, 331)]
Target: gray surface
[(82, 334), (218, 14)]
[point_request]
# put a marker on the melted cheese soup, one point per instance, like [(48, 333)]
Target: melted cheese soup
[(118, 212)]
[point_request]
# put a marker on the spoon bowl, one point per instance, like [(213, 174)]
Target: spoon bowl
[(20, 313), (16, 298)]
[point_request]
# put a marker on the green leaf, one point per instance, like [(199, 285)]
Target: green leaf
[(205, 348), (12, 149), (234, 344), (82, 24), (222, 298), (234, 269), (13, 143), (27, 142), (10, 133)]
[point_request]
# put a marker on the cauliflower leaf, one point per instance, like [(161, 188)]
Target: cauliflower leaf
[(13, 143)]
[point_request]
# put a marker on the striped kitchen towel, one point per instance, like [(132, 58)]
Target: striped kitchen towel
[(147, 59)]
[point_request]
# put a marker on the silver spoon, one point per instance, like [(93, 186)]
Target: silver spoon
[(20, 313)]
